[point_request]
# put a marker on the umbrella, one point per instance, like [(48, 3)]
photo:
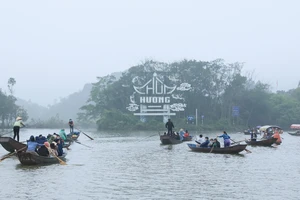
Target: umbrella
[(264, 128)]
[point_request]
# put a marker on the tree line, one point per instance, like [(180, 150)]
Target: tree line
[(8, 108), (217, 89)]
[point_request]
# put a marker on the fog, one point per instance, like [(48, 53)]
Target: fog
[(52, 48)]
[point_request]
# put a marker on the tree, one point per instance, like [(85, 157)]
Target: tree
[(10, 84)]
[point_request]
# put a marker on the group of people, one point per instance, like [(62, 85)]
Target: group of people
[(213, 142), (267, 134), (51, 146), (19, 124)]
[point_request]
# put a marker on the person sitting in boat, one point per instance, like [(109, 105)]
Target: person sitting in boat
[(181, 133), (40, 139), (59, 145), (253, 136), (205, 143), (31, 144), (43, 151), (216, 143), (200, 140), (264, 135), (51, 138), (62, 134), (186, 134), (53, 149), (211, 142), (169, 125), (226, 139)]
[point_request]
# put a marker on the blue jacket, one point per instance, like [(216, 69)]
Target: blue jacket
[(41, 140), (60, 149), (225, 136), (31, 146), (205, 144)]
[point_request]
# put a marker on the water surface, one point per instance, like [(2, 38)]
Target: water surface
[(133, 165)]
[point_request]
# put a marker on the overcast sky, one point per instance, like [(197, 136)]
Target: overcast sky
[(52, 48)]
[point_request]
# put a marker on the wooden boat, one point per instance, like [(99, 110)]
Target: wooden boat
[(10, 144), (32, 158), (295, 127), (189, 138), (73, 136), (227, 150), (266, 142), (167, 139), (296, 133), (67, 144)]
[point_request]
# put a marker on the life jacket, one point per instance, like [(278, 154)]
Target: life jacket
[(186, 134), (71, 123)]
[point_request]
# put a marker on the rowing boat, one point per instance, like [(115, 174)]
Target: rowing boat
[(32, 158), (266, 142), (296, 133), (10, 144), (225, 150), (73, 136), (167, 139), (188, 138)]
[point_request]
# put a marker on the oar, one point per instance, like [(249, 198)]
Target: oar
[(147, 137), (211, 149), (85, 134), (238, 141), (60, 160), (83, 144), (245, 148), (13, 153)]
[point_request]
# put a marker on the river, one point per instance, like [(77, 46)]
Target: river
[(135, 166)]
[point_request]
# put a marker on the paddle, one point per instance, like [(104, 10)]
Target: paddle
[(211, 149), (85, 134), (83, 144), (13, 153), (239, 141), (60, 160), (148, 137), (245, 148)]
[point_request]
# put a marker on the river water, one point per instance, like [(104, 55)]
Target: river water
[(135, 166)]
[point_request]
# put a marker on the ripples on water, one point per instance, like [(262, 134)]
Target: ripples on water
[(135, 167)]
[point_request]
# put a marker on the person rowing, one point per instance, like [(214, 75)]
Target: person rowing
[(226, 139), (17, 125)]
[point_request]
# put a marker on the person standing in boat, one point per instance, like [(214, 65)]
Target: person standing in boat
[(17, 125), (253, 136), (170, 126), (71, 124), (226, 139)]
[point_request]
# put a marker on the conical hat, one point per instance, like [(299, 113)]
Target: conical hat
[(19, 118)]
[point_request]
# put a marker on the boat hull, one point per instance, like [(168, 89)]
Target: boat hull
[(189, 138), (32, 158), (296, 133), (10, 144), (267, 142), (227, 150), (166, 139)]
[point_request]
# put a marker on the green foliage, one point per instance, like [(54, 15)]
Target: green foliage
[(8, 108), (216, 88)]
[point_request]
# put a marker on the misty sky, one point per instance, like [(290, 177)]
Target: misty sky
[(52, 48)]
